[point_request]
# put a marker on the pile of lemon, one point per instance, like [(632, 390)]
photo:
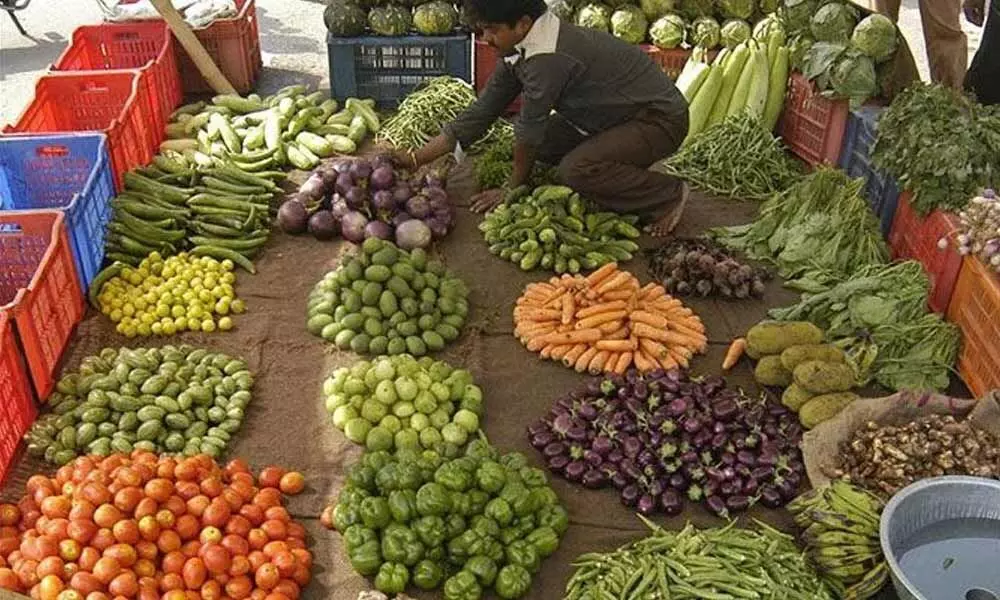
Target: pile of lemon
[(167, 296)]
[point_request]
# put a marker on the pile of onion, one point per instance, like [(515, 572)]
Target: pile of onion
[(360, 199), (664, 436), (148, 527)]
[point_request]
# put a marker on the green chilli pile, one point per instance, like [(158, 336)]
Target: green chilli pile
[(385, 300), (467, 524), (552, 228), (171, 399), (402, 402)]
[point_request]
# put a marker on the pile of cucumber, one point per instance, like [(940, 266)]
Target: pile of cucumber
[(552, 228), (171, 399), (384, 300), (291, 128)]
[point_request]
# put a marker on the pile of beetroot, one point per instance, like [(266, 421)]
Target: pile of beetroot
[(358, 199), (664, 436)]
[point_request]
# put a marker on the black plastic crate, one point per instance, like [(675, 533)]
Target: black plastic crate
[(881, 190), (386, 69)]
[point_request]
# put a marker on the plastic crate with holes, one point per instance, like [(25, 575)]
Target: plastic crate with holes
[(812, 125), (881, 189), (17, 405), (144, 45), (39, 289), (234, 45), (110, 102), (386, 69), (975, 307), (915, 237), (70, 172)]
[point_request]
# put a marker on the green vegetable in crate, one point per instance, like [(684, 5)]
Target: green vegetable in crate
[(876, 37), (668, 31), (457, 528), (833, 22), (163, 297), (174, 399), (853, 77), (435, 18), (344, 18), (554, 229), (735, 32), (384, 300), (595, 15), (400, 402), (629, 24), (390, 20), (797, 15), (705, 32)]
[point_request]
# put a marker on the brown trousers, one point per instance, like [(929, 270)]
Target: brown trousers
[(947, 47), (612, 167)]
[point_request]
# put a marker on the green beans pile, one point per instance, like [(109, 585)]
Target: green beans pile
[(737, 158), (425, 111), (703, 564)]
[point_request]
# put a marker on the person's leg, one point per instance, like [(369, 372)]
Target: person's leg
[(947, 47), (560, 139), (889, 8), (612, 169), (983, 78)]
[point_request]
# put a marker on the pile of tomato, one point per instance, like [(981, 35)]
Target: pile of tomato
[(149, 527)]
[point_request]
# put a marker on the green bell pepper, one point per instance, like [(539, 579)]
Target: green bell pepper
[(366, 558), (454, 525), (500, 511), (525, 525), (453, 477), (494, 550), (345, 515), (491, 476), (437, 554), (433, 499), (375, 512), (467, 464), (410, 476), (387, 478), (524, 504), (533, 477), (352, 495), (430, 530), (509, 535), (477, 501), (544, 539), (480, 449), (524, 554), (514, 460), (555, 517), (362, 476), (403, 505), (427, 575), (356, 535), (400, 544), (512, 491), (461, 503), (462, 586), (392, 578), (483, 568), (485, 526), (468, 544), (513, 581), (544, 496), (376, 460)]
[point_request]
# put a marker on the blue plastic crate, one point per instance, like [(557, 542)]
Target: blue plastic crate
[(881, 190), (71, 172), (386, 69)]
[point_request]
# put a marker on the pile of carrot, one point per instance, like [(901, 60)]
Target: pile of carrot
[(605, 322)]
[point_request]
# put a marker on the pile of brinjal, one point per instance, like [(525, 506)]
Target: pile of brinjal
[(665, 436)]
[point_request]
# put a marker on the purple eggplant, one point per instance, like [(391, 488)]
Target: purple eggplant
[(678, 482), (562, 424), (737, 503), (538, 427), (671, 503), (593, 479), (631, 446), (750, 487), (557, 464), (691, 424), (593, 458), (762, 472), (689, 457), (771, 497), (677, 407), (729, 488), (554, 449), (725, 410), (629, 469), (574, 470), (715, 474), (746, 457), (619, 480), (587, 411), (542, 439), (717, 506), (616, 455), (646, 504), (630, 494), (577, 433)]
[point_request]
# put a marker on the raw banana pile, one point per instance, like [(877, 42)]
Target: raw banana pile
[(840, 525), (553, 228)]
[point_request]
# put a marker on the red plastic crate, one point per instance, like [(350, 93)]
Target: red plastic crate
[(974, 307), (234, 45), (39, 289), (672, 61), (144, 45), (17, 407), (112, 102), (915, 237), (811, 125)]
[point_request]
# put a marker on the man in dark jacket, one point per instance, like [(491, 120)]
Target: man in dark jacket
[(983, 78), (595, 106)]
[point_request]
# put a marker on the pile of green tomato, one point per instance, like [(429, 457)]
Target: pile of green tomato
[(402, 402), (466, 524)]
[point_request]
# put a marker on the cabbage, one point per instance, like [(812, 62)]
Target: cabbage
[(853, 76), (667, 32), (875, 37), (737, 9), (692, 9), (769, 6), (654, 9), (705, 32), (833, 22), (629, 24), (595, 16), (797, 14), (798, 49), (735, 32)]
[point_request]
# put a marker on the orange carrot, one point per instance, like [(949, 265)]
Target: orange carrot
[(570, 358), (560, 351), (537, 343), (653, 349), (678, 356), (535, 331), (547, 350), (600, 308), (734, 353), (611, 326), (647, 289), (568, 308), (596, 365), (584, 361), (692, 326), (537, 314), (677, 312), (624, 360), (618, 334), (668, 363), (600, 318), (619, 295), (601, 274), (648, 318), (643, 363), (617, 345), (611, 361), (585, 336), (668, 337), (613, 282)]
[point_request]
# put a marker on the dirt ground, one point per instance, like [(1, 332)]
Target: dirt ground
[(287, 425)]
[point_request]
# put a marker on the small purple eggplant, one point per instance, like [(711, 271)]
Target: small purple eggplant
[(717, 506), (678, 482), (630, 494), (671, 503), (770, 497), (554, 449), (646, 504), (558, 463), (542, 439), (575, 469), (737, 503), (593, 479)]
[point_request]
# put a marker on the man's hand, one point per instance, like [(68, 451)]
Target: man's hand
[(487, 200), (974, 11), (402, 158)]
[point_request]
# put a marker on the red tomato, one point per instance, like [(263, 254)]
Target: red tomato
[(270, 477), (292, 483), (194, 573), (106, 569)]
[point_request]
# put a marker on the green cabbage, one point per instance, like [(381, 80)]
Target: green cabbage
[(654, 9), (798, 49), (629, 24), (769, 6), (875, 37), (692, 9), (595, 16), (735, 32), (737, 9), (833, 22), (705, 32), (667, 32), (797, 13), (853, 76), (435, 18)]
